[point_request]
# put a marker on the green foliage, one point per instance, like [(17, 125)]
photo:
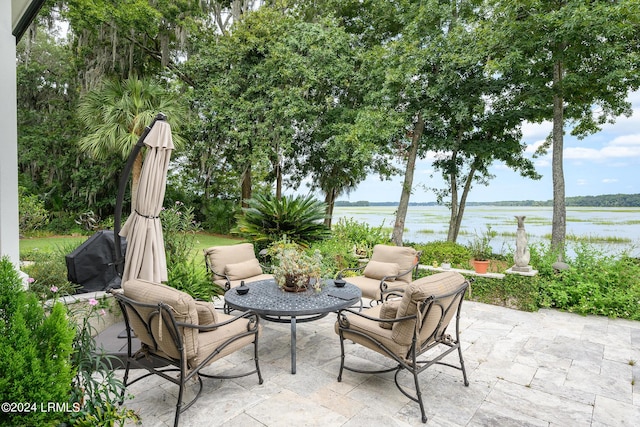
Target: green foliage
[(33, 214), (594, 284), (360, 235), (443, 251), (96, 390), (192, 277), (336, 255), (268, 219), (48, 270), (179, 231), (295, 267), (35, 351), (218, 216), (480, 246)]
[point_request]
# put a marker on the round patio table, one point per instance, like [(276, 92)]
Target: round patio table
[(276, 305)]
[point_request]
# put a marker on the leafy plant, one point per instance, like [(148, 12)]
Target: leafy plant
[(95, 389), (294, 267), (442, 251), (33, 214), (480, 246), (192, 277), (361, 235), (267, 219), (47, 270), (35, 351), (179, 229)]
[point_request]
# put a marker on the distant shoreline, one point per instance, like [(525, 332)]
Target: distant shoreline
[(605, 200)]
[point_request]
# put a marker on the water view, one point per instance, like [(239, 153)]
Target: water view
[(612, 229)]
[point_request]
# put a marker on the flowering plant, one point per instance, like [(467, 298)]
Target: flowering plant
[(295, 269)]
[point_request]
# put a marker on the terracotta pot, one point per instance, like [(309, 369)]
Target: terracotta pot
[(480, 267)]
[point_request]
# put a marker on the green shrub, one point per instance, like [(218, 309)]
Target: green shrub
[(192, 277), (336, 254), (441, 251), (33, 214), (219, 216), (35, 352), (268, 219), (360, 235), (179, 230), (49, 270)]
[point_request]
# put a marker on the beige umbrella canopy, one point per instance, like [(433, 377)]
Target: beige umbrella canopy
[(145, 257)]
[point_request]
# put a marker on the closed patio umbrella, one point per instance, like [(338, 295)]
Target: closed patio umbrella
[(145, 257)]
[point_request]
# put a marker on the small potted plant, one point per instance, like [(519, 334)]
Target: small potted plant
[(481, 251), (296, 270)]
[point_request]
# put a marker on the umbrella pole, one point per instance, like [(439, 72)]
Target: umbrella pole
[(124, 179)]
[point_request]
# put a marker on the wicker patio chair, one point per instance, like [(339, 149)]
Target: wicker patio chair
[(180, 334), (405, 329)]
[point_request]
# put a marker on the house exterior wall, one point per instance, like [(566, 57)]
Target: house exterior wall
[(9, 232)]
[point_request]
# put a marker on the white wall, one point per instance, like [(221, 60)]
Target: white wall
[(9, 233)]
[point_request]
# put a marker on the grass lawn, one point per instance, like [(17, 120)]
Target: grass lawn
[(69, 243)]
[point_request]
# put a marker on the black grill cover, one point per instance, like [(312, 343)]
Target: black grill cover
[(91, 265)]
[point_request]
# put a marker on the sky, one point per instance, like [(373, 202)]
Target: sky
[(607, 162)]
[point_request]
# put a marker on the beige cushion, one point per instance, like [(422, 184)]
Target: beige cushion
[(418, 291), (206, 313), (373, 330), (404, 256), (221, 256), (379, 270), (184, 310), (242, 270), (388, 310), (371, 287), (210, 341)]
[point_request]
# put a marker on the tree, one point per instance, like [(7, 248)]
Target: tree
[(571, 62), (117, 113)]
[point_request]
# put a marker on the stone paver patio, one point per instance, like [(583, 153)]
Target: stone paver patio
[(525, 369)]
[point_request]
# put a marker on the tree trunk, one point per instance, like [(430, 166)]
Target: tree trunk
[(453, 186), (559, 225), (463, 202), (401, 214), (330, 200), (246, 186), (278, 181)]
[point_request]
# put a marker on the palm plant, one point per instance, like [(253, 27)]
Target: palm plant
[(116, 114), (267, 219)]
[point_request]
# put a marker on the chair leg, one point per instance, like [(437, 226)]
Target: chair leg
[(125, 378), (341, 358), (419, 395), (462, 368), (255, 358), (180, 394)]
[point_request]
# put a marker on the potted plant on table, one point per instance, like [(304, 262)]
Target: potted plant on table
[(481, 251), (296, 270)]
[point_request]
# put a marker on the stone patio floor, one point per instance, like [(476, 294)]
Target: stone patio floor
[(547, 368)]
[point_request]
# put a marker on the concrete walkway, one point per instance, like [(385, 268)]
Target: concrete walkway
[(525, 369)]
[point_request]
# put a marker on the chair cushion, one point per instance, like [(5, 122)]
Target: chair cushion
[(379, 270), (242, 270), (372, 329), (210, 341), (404, 256), (220, 256), (206, 313), (388, 310), (184, 310), (371, 287), (418, 291)]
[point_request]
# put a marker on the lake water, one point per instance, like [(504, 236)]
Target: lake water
[(612, 229)]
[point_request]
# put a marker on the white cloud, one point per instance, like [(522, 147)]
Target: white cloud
[(609, 180), (626, 146), (581, 182)]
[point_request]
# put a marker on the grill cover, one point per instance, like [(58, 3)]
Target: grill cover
[(91, 265)]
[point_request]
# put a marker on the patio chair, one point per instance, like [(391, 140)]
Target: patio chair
[(404, 329), (390, 268), (178, 333), (231, 265)]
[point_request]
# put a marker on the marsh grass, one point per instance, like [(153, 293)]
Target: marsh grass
[(594, 239)]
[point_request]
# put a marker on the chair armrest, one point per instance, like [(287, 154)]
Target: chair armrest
[(344, 322), (253, 318), (349, 269)]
